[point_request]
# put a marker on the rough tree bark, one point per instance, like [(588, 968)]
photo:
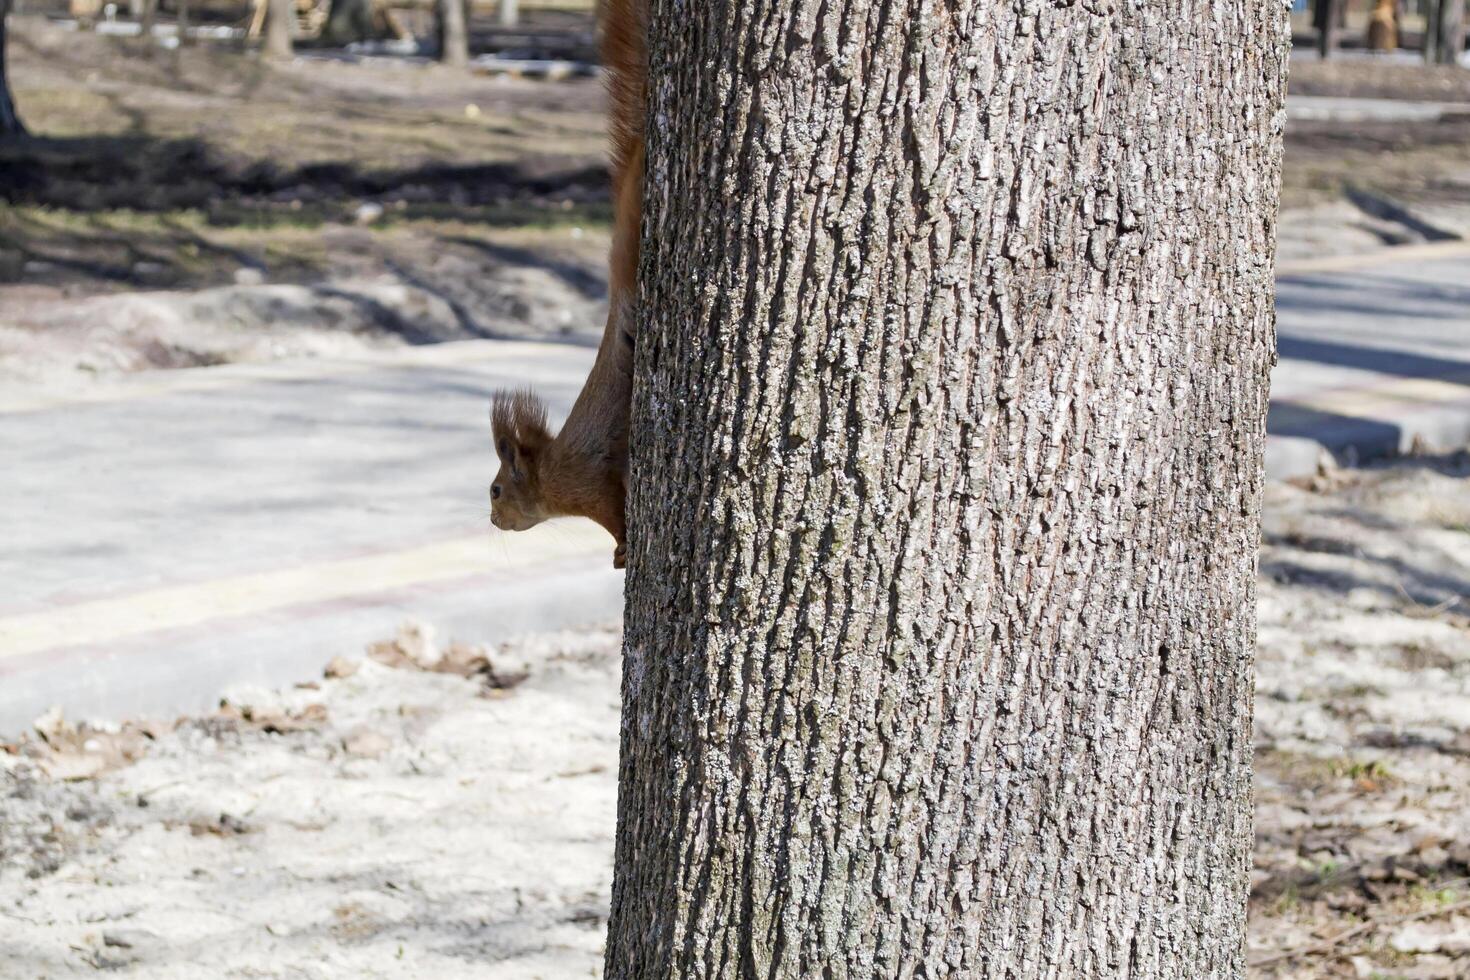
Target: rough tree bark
[(955, 329), (279, 25), (10, 124), (454, 41)]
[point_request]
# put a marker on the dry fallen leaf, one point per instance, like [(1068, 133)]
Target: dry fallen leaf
[(413, 648), (228, 825), (367, 744), (341, 668), (52, 726), (73, 766), (311, 717)]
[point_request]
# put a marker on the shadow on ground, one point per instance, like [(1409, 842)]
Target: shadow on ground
[(144, 173)]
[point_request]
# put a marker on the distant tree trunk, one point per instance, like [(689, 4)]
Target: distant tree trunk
[(10, 124), (182, 19), (279, 24), (955, 329), (1383, 33), (454, 41), (510, 13), (349, 21), (1326, 16), (1448, 28), (149, 20)]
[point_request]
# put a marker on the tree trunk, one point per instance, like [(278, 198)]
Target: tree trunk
[(1449, 28), (1431, 31), (454, 42), (279, 25), (10, 124), (182, 20), (955, 333), (149, 20), (510, 13), (349, 21), (1327, 17), (1383, 30)]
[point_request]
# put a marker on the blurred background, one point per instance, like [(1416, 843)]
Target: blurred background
[(255, 288)]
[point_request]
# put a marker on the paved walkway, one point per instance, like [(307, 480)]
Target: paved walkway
[(182, 531), (1327, 108), (1375, 357)]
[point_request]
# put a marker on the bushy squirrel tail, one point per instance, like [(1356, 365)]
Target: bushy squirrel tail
[(625, 61)]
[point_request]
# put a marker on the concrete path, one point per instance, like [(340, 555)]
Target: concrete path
[(1375, 357), (180, 532), (172, 534), (1328, 108)]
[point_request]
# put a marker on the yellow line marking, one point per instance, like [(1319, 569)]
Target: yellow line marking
[(178, 606), (1390, 401), (515, 355), (1395, 255)]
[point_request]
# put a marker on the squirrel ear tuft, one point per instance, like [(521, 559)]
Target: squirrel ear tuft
[(519, 418)]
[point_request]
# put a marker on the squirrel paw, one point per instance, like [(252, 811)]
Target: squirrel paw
[(620, 556)]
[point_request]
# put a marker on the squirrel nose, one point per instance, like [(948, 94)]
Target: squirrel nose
[(494, 491)]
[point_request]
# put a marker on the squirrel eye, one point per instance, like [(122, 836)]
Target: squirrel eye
[(503, 448)]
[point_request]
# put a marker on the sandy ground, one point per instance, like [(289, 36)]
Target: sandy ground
[(1363, 724), (457, 821), (392, 823)]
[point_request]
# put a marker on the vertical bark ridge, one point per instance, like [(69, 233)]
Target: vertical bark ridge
[(947, 442)]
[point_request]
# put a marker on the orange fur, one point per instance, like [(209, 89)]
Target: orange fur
[(582, 470)]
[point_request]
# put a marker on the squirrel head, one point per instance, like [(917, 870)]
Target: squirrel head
[(518, 424)]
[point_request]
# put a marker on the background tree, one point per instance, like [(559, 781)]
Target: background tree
[(279, 24), (349, 21), (955, 329), (1444, 31), (10, 124), (454, 42), (1383, 28), (1327, 19)]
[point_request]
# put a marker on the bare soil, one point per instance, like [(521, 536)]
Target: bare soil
[(1363, 726), (1357, 76), (199, 206), (386, 822)]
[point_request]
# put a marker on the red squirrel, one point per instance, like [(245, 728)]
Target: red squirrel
[(582, 470)]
